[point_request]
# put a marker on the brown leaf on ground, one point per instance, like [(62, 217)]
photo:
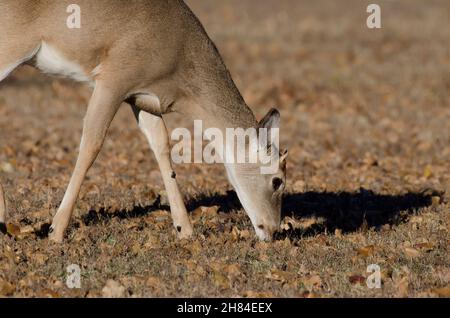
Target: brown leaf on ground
[(239, 234), (159, 216), (48, 293), (195, 247), (442, 292), (153, 282), (357, 279), (26, 230), (279, 275), (312, 281), (262, 246), (233, 271), (366, 251), (113, 289), (39, 258), (402, 287), (220, 280), (12, 229), (411, 252), (435, 201), (40, 214), (310, 294), (197, 269), (6, 288), (427, 171), (205, 212), (426, 247), (257, 294), (152, 242)]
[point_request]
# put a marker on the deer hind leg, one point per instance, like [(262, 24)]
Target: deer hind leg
[(155, 131), (10, 59), (104, 103)]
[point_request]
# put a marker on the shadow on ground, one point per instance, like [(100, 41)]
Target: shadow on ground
[(346, 211)]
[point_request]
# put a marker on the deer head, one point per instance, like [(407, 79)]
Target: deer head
[(260, 190)]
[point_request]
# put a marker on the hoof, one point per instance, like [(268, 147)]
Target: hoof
[(55, 236), (184, 232)]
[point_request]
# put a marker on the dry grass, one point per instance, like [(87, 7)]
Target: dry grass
[(365, 116)]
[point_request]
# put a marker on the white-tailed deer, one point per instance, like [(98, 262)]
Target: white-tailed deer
[(156, 56)]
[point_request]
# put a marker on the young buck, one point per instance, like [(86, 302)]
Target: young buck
[(156, 56)]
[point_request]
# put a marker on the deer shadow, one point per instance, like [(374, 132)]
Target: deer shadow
[(352, 211), (346, 211)]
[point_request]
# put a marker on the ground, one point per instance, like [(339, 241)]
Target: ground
[(365, 118)]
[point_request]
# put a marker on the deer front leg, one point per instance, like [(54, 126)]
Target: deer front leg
[(155, 130), (102, 107)]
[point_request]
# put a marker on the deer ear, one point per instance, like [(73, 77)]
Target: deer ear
[(271, 120), (270, 126)]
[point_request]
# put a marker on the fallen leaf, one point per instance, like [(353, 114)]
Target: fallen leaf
[(12, 229), (152, 242), (403, 286), (194, 267), (435, 201), (113, 289), (28, 229), (136, 248), (195, 247), (6, 288), (245, 234), (221, 281), (160, 216), (357, 279), (366, 251), (443, 291), (260, 245), (256, 294), (239, 235), (132, 225), (40, 258), (48, 293), (44, 213), (411, 252), (310, 294), (290, 223), (279, 275), (233, 270), (416, 219), (153, 282), (205, 212), (424, 246), (428, 171), (312, 281)]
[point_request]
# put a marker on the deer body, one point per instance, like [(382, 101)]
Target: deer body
[(151, 54)]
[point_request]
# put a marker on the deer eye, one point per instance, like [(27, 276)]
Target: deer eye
[(276, 183)]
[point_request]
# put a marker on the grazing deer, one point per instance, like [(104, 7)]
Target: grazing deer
[(156, 56)]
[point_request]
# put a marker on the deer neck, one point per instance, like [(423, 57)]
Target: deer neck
[(219, 102)]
